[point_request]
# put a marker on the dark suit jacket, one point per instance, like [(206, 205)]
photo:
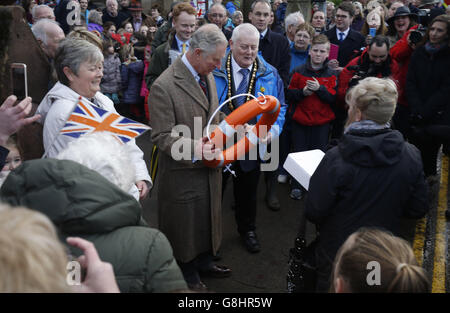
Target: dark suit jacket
[(349, 48), (275, 50)]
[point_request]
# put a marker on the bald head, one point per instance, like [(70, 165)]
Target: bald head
[(48, 34)]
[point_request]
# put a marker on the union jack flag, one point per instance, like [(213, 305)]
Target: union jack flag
[(87, 119)]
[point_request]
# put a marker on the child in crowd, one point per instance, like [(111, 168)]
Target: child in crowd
[(311, 93), (128, 27), (13, 160), (132, 71), (111, 81), (389, 258)]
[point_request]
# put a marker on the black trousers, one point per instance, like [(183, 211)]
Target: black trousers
[(245, 186), (306, 138)]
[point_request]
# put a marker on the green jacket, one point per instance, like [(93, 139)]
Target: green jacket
[(81, 202)]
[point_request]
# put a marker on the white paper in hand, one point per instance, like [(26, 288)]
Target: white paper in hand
[(302, 165)]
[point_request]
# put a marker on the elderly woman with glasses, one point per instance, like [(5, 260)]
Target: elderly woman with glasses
[(79, 67)]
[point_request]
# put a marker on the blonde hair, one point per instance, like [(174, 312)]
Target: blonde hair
[(376, 98), (399, 271), (31, 257)]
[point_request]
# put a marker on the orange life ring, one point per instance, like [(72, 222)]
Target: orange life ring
[(268, 106)]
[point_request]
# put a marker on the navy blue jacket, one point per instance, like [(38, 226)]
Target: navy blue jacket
[(132, 75), (372, 178), (349, 48), (274, 48)]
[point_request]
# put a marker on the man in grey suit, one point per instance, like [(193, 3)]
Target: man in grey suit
[(182, 100)]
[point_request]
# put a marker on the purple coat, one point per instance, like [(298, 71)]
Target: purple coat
[(93, 26)]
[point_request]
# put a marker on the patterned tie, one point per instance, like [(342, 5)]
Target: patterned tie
[(243, 86), (202, 83), (341, 36)]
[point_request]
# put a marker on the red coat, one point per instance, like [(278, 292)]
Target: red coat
[(401, 52), (346, 75), (314, 109)]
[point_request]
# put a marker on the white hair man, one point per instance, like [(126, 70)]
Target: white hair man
[(243, 71), (291, 23), (48, 34), (42, 11), (112, 13), (190, 215)]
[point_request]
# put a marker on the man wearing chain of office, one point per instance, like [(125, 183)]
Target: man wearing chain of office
[(244, 71)]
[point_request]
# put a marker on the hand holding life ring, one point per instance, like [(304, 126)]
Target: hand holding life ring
[(268, 106)]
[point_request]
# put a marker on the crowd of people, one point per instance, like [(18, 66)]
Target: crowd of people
[(365, 82)]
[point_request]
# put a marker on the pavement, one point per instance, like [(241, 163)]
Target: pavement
[(265, 272)]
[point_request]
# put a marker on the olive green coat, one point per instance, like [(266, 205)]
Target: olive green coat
[(81, 202)]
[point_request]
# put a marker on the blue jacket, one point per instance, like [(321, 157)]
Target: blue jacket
[(268, 82), (298, 58), (267, 79), (132, 75)]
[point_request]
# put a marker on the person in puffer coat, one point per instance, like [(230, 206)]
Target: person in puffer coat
[(82, 203), (111, 81)]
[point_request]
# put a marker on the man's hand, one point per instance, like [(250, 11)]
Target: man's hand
[(204, 149), (12, 118), (313, 85), (99, 275), (143, 189)]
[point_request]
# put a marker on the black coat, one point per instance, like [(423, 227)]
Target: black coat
[(428, 85), (118, 20), (349, 48), (275, 50), (3, 155), (372, 178)]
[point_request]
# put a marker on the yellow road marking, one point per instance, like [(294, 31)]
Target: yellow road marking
[(419, 239), (438, 285)]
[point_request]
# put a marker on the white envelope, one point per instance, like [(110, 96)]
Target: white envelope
[(302, 165)]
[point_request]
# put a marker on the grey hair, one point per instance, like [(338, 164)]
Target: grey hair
[(236, 14), (258, 1), (376, 98), (95, 17), (117, 2), (71, 53), (37, 7), (221, 5), (244, 29), (101, 152), (40, 29), (292, 19), (207, 38)]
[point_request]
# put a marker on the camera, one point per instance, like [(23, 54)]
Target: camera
[(416, 35)]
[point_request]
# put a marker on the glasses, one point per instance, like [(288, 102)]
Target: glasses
[(217, 15)]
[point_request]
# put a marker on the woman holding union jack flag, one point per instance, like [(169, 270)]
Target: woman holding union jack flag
[(75, 106)]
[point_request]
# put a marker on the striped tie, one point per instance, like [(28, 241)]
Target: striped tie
[(243, 86)]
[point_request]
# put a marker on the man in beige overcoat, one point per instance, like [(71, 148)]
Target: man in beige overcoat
[(181, 102)]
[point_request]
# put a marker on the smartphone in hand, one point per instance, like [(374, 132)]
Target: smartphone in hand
[(19, 80)]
